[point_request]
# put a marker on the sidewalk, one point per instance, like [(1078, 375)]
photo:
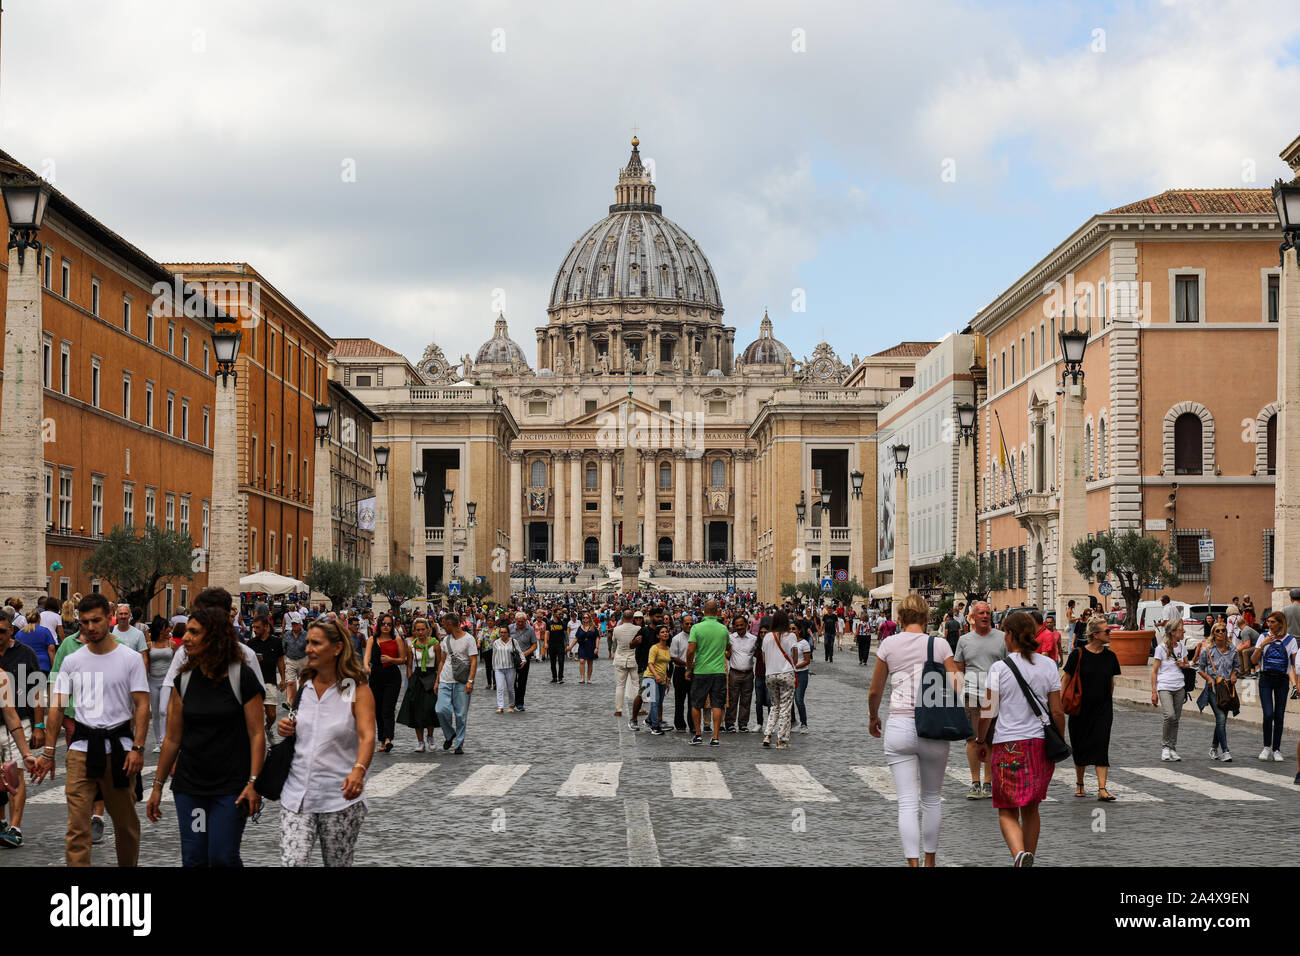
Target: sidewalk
[(1133, 686)]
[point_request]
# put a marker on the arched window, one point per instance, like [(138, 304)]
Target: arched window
[(717, 473), (591, 476), (537, 475), (1087, 449), (665, 474), (1270, 441), (665, 549), (1187, 444)]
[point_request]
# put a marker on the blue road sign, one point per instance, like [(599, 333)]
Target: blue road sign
[(1105, 588), (827, 584), (453, 588)]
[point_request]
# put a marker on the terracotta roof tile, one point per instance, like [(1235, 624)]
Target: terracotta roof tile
[(1202, 202), (363, 348), (906, 350)]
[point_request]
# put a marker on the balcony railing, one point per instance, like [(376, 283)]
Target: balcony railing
[(445, 395)]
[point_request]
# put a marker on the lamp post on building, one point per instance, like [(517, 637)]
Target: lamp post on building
[(965, 480), (22, 537), (383, 547), (322, 519), (1286, 520), (1072, 523), (801, 512), (902, 544), (825, 557), (448, 534), (855, 479), (223, 559), (471, 552)]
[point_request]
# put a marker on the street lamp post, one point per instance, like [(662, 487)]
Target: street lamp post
[(448, 534), (825, 556), (902, 542), (323, 486), (965, 480), (223, 557), (382, 546), (471, 550), (22, 535), (1072, 523), (1286, 520)]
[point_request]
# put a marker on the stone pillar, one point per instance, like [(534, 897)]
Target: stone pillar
[(224, 567), (448, 540), (694, 509), (1286, 520), (966, 497), (679, 505), (575, 506), (560, 542), (322, 519), (541, 349), (382, 554), (650, 509), (470, 570), (1073, 523), (902, 545), (516, 506), (615, 348), (740, 535), (824, 557), (606, 504), (22, 467)]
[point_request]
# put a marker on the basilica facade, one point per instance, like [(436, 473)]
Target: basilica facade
[(640, 424)]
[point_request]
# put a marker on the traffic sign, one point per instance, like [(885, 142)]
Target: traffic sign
[(1156, 585), (827, 584), (1206, 546), (453, 588), (1105, 588), (731, 589), (841, 575)]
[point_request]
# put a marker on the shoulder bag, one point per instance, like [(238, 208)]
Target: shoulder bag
[(1072, 692), (939, 715), (275, 769), (1056, 747), (459, 665)]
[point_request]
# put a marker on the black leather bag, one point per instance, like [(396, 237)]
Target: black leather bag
[(275, 769), (1055, 747), (939, 714)]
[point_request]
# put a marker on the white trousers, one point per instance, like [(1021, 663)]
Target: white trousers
[(918, 765), (626, 684)]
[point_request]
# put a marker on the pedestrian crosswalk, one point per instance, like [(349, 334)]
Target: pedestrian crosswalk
[(790, 782)]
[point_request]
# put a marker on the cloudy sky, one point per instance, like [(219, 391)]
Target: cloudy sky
[(391, 165)]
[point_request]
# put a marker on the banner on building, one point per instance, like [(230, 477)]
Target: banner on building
[(366, 514)]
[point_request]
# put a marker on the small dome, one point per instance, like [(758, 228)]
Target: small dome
[(714, 373), (545, 371), (501, 349), (766, 349)]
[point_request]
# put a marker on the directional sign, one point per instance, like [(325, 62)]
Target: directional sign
[(1156, 585), (827, 584), (1206, 546), (1105, 588), (453, 588), (841, 575)]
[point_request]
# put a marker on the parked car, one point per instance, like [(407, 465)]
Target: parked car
[(1000, 616)]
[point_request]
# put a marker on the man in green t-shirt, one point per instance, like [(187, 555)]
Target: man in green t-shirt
[(706, 669)]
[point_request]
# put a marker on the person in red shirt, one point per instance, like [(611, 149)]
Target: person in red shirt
[(1049, 638)]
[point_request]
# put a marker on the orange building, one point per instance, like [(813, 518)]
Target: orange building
[(128, 398), (1179, 293), (282, 373)]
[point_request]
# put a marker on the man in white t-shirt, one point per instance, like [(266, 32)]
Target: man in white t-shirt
[(110, 684), (50, 619), (453, 695)]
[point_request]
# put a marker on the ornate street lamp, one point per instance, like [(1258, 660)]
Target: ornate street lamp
[(900, 458), (323, 413), (801, 507), (855, 478), (966, 422), (225, 345), (1286, 196), (470, 508), (447, 496), (25, 200), (381, 461), (1073, 344), (419, 478)]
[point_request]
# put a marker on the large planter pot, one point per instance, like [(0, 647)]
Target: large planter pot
[(1132, 647)]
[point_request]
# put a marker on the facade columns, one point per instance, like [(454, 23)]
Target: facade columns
[(740, 533), (679, 505), (694, 514), (576, 544), (1072, 525), (383, 548), (560, 538), (606, 505), (516, 506), (649, 508)]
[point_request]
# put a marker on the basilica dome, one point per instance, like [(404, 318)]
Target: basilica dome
[(766, 349), (501, 349), (635, 254)]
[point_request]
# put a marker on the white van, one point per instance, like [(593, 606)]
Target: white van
[(1151, 615)]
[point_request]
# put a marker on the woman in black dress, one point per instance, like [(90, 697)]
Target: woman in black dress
[(1090, 728)]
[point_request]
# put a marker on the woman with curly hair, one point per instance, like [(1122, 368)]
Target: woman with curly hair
[(215, 724)]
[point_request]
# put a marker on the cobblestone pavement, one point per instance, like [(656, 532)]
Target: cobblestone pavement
[(568, 783)]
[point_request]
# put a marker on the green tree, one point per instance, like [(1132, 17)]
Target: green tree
[(398, 587), (970, 576), (137, 563), (846, 591), (1133, 558), (337, 580)]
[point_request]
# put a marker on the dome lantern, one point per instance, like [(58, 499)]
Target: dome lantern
[(766, 349)]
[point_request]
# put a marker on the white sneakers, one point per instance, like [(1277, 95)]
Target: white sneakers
[(1214, 753), (1277, 756), (1169, 753), (419, 747), (1266, 754), (1225, 757), (1164, 754), (1173, 754)]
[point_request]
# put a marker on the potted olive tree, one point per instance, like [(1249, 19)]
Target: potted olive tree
[(1133, 560)]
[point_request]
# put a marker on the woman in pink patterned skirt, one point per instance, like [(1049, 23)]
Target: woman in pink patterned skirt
[(1021, 770)]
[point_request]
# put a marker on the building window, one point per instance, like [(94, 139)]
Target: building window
[(205, 358), (170, 498), (253, 556), (666, 405), (1188, 551), (273, 556), (49, 497), (94, 296), (365, 381), (1268, 554), (717, 473), (171, 413), (1187, 299), (589, 406), (65, 368), (171, 338), (185, 346), (1270, 445), (126, 395), (1103, 450), (185, 514), (47, 362), (65, 499), (717, 407), (665, 474), (65, 280), (1187, 444), (126, 314), (47, 277), (185, 419), (290, 476), (592, 478), (1013, 364), (537, 407), (270, 367), (148, 326), (150, 506), (96, 506), (205, 426), (537, 475), (128, 505), (207, 523), (148, 404), (94, 382), (1023, 576), (288, 547), (1274, 297)]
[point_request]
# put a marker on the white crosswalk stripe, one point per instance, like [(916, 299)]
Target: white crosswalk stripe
[(795, 783), (394, 779), (493, 780), (698, 780), (879, 779), (1199, 785), (1255, 775), (592, 780), (1064, 777)]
